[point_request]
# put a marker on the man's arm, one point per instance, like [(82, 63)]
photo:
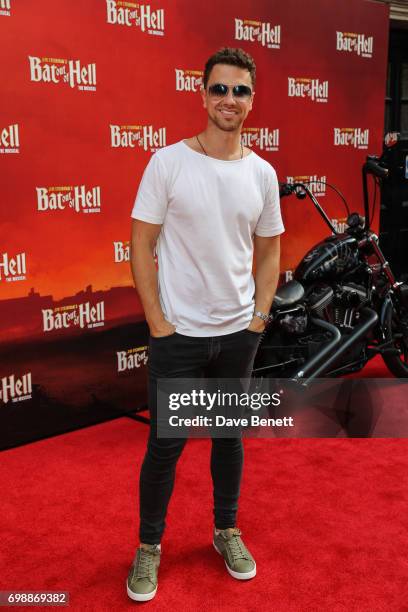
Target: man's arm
[(143, 241), (267, 268)]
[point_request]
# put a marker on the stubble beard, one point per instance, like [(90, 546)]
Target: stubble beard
[(227, 127)]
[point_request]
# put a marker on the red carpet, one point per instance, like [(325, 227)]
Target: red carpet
[(375, 368), (325, 519)]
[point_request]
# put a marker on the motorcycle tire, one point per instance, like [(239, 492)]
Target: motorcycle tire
[(397, 364)]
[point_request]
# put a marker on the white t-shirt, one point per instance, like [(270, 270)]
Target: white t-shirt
[(209, 210)]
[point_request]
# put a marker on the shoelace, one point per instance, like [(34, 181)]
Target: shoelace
[(237, 547), (145, 563)]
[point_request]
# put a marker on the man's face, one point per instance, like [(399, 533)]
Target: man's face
[(228, 113)]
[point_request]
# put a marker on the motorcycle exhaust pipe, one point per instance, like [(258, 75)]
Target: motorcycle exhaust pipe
[(318, 358), (312, 369), (336, 338)]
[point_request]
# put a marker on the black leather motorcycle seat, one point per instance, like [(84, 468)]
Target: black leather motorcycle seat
[(288, 294)]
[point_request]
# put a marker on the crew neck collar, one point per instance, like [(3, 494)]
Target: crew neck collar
[(224, 161)]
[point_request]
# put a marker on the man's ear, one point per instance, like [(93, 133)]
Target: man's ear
[(252, 100), (203, 96)]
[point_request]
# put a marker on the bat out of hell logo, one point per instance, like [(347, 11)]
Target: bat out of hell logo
[(132, 136), (314, 89), (13, 268), (351, 137), (188, 80), (77, 198), (125, 13), (10, 139), (131, 358), (84, 315), (264, 138), (15, 389), (56, 70), (264, 33), (350, 42)]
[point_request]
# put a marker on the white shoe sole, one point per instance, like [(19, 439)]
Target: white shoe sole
[(140, 596), (237, 575)]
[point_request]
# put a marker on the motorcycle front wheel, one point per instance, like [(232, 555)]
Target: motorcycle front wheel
[(396, 330)]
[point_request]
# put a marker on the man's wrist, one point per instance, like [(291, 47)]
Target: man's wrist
[(156, 322), (265, 317)]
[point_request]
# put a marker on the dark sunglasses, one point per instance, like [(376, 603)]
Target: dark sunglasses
[(219, 90)]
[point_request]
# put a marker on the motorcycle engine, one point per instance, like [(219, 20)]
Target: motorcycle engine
[(319, 298), (339, 304)]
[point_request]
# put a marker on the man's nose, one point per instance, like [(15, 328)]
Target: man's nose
[(229, 98)]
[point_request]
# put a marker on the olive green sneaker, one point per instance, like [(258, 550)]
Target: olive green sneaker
[(142, 580), (238, 560)]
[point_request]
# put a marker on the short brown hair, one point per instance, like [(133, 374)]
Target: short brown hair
[(231, 57)]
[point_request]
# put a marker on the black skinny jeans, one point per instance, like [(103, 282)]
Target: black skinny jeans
[(178, 356)]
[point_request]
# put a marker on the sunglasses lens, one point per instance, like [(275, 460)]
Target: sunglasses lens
[(238, 91), (241, 91), (218, 89)]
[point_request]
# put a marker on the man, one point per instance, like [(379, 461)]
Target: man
[(207, 204)]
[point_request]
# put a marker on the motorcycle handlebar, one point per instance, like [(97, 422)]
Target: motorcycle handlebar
[(298, 189), (373, 167), (301, 190)]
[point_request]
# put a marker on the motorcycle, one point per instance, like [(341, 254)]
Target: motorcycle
[(344, 305)]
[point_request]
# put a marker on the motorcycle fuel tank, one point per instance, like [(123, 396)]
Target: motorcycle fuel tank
[(328, 259)]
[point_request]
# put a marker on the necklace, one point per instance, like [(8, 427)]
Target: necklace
[(205, 152)]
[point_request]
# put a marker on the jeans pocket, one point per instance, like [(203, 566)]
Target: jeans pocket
[(163, 337), (255, 333)]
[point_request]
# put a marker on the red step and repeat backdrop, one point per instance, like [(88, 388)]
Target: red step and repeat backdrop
[(90, 90)]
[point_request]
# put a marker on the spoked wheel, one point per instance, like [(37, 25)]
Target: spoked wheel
[(396, 329)]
